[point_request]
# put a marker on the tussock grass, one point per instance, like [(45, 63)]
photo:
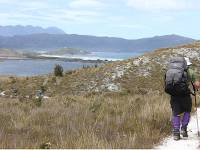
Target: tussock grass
[(75, 116), (92, 121)]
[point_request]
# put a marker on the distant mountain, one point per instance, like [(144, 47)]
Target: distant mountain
[(43, 41), (25, 30)]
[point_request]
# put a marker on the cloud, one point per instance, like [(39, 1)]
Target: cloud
[(159, 5), (79, 16), (86, 4), (8, 2), (35, 5), (23, 5), (74, 11)]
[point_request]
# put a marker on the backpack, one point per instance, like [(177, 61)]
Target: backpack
[(176, 78)]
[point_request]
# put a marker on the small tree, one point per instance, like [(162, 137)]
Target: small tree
[(58, 70)]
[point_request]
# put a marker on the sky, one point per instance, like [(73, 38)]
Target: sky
[(130, 19)]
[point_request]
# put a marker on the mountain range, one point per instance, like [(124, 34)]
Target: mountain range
[(25, 30), (37, 39), (123, 97)]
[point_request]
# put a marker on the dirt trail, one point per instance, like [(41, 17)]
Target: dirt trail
[(191, 143)]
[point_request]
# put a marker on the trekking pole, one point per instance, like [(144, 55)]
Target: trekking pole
[(195, 103), (196, 113)]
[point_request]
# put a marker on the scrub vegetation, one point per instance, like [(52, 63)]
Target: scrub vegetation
[(117, 105)]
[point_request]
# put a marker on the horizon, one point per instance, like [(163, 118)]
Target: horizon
[(128, 19), (152, 36)]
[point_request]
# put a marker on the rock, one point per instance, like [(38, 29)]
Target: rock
[(45, 97), (113, 87), (143, 60), (192, 53), (2, 93)]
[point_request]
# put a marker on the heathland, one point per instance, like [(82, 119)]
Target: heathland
[(120, 104)]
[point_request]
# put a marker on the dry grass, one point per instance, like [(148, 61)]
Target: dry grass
[(92, 121), (73, 117), (138, 117)]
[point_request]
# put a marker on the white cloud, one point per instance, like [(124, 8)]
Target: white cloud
[(86, 4), (76, 11), (24, 5), (80, 16), (36, 5), (159, 5), (8, 2)]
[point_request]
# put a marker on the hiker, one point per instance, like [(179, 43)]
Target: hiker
[(177, 80)]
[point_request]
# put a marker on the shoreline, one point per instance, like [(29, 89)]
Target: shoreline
[(55, 58), (85, 63), (13, 58), (82, 57)]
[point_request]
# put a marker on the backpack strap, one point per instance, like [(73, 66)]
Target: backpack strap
[(194, 89)]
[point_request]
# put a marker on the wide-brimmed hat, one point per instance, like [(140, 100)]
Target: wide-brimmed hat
[(188, 61)]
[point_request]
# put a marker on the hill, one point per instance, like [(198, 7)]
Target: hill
[(7, 53), (68, 51), (37, 42), (117, 105), (26, 30)]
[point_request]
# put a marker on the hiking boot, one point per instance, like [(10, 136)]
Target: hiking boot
[(176, 135), (184, 132)]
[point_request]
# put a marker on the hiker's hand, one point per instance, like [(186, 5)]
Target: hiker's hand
[(197, 85)]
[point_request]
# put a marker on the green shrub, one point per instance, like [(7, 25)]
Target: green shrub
[(58, 70), (38, 101)]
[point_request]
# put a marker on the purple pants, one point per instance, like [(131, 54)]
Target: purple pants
[(177, 122)]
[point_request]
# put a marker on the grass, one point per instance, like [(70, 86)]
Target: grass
[(93, 121), (77, 117)]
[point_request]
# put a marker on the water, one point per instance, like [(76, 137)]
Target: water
[(36, 67), (112, 55), (41, 67)]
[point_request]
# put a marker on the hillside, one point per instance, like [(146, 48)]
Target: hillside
[(26, 30), (7, 53), (68, 51), (36, 42), (118, 105), (129, 75)]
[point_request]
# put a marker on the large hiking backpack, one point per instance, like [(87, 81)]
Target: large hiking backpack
[(176, 78)]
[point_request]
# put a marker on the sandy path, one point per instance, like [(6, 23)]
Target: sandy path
[(190, 143)]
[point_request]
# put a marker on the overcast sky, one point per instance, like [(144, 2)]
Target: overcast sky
[(130, 19)]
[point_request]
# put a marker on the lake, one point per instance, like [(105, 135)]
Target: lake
[(41, 67), (36, 67)]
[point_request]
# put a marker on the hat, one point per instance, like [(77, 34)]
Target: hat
[(188, 61)]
